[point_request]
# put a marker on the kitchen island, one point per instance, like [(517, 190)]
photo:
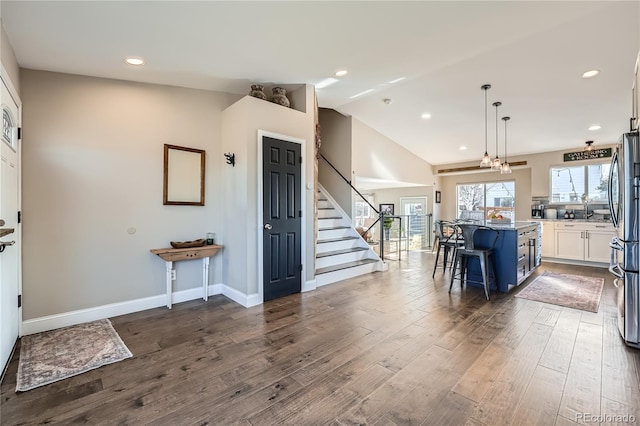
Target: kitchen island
[(516, 253)]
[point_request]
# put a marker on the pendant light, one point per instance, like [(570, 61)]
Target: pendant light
[(589, 146), (505, 169), (496, 164), (486, 160)]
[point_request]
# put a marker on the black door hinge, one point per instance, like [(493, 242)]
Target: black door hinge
[(300, 268), (19, 301), (19, 133), (301, 159), (300, 213), (19, 217)]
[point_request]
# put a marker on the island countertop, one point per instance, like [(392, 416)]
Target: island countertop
[(511, 225)]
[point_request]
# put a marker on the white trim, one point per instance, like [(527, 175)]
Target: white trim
[(309, 285), (51, 322), (303, 228), (4, 75)]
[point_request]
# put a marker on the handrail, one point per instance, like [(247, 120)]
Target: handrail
[(349, 183)]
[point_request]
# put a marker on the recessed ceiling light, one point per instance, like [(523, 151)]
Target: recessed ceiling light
[(463, 148), (326, 82), (361, 93), (595, 127), (341, 73), (134, 61), (591, 73), (397, 80), (426, 116)]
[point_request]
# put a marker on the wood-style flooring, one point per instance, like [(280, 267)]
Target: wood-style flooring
[(392, 348)]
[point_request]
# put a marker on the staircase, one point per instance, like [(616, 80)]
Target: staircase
[(340, 251)]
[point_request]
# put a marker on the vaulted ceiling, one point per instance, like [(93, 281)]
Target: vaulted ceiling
[(439, 53)]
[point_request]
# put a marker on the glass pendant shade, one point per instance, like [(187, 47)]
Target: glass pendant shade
[(506, 168), (589, 146), (496, 164), (486, 160)]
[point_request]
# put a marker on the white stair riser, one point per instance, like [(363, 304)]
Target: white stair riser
[(325, 203), (323, 262), (330, 223), (335, 233), (328, 213), (339, 245), (343, 274)]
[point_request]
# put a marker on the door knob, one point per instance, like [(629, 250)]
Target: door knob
[(268, 226)]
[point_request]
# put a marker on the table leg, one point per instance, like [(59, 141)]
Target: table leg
[(169, 265), (205, 278)]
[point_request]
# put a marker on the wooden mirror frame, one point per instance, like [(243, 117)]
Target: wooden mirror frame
[(170, 179)]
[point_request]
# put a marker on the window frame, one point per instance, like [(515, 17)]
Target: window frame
[(484, 196), (580, 192)]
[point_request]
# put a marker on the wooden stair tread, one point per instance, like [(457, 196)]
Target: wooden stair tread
[(345, 266), (333, 228), (332, 217), (334, 240), (344, 251)]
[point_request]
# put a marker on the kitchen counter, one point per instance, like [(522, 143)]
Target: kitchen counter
[(575, 220), (516, 253)]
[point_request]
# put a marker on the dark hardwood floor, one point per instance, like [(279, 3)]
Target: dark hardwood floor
[(391, 348)]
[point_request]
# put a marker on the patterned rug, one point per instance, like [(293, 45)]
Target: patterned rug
[(58, 354), (571, 291)]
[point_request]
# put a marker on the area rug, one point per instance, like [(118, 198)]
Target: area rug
[(58, 354), (571, 291)]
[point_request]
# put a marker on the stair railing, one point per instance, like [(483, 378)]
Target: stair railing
[(381, 216)]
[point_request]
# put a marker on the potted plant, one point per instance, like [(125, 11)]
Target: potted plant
[(387, 223)]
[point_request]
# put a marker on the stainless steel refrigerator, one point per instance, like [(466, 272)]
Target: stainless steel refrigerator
[(624, 205)]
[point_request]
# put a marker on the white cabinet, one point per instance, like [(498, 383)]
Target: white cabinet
[(548, 239), (583, 241)]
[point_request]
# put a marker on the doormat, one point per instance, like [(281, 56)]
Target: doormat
[(58, 354), (571, 291)]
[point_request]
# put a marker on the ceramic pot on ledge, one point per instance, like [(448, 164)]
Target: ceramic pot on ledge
[(280, 97), (257, 91)]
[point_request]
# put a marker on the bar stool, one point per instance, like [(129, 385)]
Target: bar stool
[(485, 255), (447, 241)]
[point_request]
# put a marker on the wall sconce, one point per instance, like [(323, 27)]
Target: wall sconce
[(231, 158)]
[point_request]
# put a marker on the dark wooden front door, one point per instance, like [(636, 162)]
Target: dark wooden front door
[(282, 212)]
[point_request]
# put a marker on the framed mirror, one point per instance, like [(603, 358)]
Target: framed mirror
[(183, 176)]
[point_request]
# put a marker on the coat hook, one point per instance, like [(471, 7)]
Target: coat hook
[(231, 158)]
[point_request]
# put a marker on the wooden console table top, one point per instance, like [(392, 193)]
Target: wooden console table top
[(173, 254), (6, 231)]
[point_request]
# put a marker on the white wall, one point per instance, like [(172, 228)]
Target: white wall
[(92, 168), (241, 122), (8, 58), (376, 156)]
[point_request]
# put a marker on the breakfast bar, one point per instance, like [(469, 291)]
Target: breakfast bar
[(516, 253)]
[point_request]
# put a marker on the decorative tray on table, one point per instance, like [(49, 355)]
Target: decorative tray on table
[(187, 244)]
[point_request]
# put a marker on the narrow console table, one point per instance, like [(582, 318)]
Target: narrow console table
[(170, 255)]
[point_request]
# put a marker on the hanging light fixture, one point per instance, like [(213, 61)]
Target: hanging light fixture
[(589, 146), (496, 164), (505, 169), (486, 160)]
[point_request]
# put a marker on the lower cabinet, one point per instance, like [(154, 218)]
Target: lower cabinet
[(583, 241), (548, 239)]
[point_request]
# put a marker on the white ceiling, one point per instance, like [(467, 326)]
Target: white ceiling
[(533, 53)]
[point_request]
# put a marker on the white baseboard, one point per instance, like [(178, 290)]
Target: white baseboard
[(51, 322), (309, 285)]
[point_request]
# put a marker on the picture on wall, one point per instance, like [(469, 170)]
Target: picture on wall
[(387, 209), (438, 197)]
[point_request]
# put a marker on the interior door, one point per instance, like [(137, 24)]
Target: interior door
[(282, 218), (9, 257)]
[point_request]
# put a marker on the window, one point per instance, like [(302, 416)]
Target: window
[(7, 127), (580, 183), (363, 211), (480, 201)]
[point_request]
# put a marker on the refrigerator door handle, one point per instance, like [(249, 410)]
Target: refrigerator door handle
[(614, 216)]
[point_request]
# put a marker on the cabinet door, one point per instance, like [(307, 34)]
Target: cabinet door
[(597, 246), (548, 239), (569, 244)]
